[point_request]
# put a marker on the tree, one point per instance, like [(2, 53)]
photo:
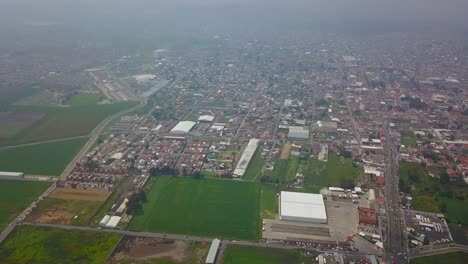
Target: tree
[(443, 208), (444, 178)]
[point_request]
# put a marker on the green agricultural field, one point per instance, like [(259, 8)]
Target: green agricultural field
[(257, 255), (255, 167), (27, 244), (215, 208), (15, 196), (429, 194), (285, 169), (332, 173), (63, 122), (268, 202), (41, 159), (452, 258), (82, 99)]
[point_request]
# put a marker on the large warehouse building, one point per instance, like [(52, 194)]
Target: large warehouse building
[(183, 127), (303, 207), (246, 157), (7, 175)]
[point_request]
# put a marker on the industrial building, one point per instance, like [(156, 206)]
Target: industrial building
[(6, 175), (213, 253), (326, 126), (246, 157), (298, 133), (302, 207), (183, 127), (206, 118)]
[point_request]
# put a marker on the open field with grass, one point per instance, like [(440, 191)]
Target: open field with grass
[(257, 255), (285, 169), (64, 212), (27, 244), (332, 173), (215, 208), (255, 167), (268, 202), (429, 194), (141, 250), (41, 159), (452, 258), (85, 99), (14, 122), (63, 122), (408, 139), (15, 196)]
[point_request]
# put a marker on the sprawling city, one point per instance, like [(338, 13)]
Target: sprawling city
[(234, 147)]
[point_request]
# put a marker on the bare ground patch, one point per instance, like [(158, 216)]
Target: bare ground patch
[(140, 249), (285, 150), (80, 194)]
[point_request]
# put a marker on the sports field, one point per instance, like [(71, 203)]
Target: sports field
[(449, 258), (63, 122), (41, 159), (15, 196), (257, 255), (214, 208), (27, 244), (85, 99), (335, 172)]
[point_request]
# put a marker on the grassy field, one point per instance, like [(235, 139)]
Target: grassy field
[(15, 196), (255, 167), (216, 208), (268, 202), (257, 255), (333, 173), (82, 99), (41, 159), (27, 244), (430, 195), (63, 122), (286, 169), (408, 139), (452, 258)]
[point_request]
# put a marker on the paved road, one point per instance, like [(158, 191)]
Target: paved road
[(430, 251), (41, 142)]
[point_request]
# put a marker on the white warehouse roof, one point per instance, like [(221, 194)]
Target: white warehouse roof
[(11, 174), (246, 157), (304, 207), (183, 127), (206, 118), (113, 221), (210, 259)]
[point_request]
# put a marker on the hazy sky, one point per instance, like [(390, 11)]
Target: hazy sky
[(431, 12)]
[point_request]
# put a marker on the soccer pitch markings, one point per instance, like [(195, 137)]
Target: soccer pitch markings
[(214, 208)]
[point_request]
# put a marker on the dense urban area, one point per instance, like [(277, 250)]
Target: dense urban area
[(310, 148)]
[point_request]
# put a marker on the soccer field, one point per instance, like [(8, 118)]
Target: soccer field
[(256, 255), (15, 196), (214, 208)]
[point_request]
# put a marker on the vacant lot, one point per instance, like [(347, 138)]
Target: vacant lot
[(64, 212), (268, 202), (257, 255), (335, 172), (255, 167), (286, 150), (13, 123), (63, 122), (216, 208), (80, 194), (285, 169), (82, 99), (41, 159), (27, 244), (143, 250), (452, 258), (15, 196)]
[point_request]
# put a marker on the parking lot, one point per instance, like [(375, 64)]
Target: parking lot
[(429, 225), (342, 222)]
